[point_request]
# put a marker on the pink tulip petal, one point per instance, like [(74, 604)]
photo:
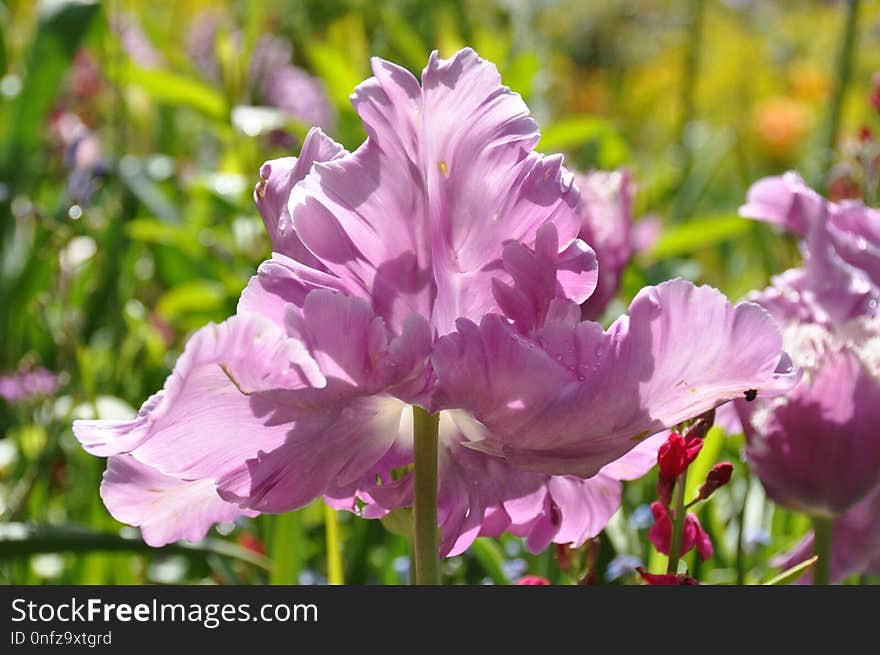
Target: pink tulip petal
[(581, 397), (165, 508)]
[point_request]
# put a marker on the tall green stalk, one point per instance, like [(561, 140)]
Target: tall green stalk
[(842, 77), (335, 575), (822, 548), (425, 444), (690, 72), (677, 524), (691, 66), (740, 537)]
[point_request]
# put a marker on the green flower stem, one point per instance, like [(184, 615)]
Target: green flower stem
[(842, 77), (740, 537), (334, 547), (677, 524), (822, 548), (425, 445)]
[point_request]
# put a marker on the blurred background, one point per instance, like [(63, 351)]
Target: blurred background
[(131, 135)]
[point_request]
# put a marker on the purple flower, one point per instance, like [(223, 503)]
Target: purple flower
[(841, 243), (201, 40), (607, 225), (299, 95), (27, 385), (855, 545), (83, 156), (289, 88), (818, 450), (438, 265), (134, 41), (270, 53), (273, 80)]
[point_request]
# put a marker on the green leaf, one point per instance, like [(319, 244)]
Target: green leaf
[(337, 72), (399, 521), (488, 553), (285, 548), (21, 539), (794, 573), (705, 460), (176, 90), (195, 296), (2, 49), (697, 234), (135, 178), (61, 26), (576, 131), (520, 73), (161, 233), (404, 39)]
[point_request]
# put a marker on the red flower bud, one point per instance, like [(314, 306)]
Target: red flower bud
[(252, 543), (717, 477), (665, 487), (563, 556), (535, 580), (701, 426), (660, 533), (665, 578), (676, 454)]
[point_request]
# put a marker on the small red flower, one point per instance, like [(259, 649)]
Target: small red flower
[(717, 477), (677, 453), (252, 543), (533, 580), (665, 578), (701, 426), (665, 487), (844, 188), (661, 533)]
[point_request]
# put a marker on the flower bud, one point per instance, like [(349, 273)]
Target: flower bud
[(535, 580), (676, 454), (717, 477), (666, 578)]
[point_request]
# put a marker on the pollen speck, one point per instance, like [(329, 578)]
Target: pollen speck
[(693, 390), (640, 435), (443, 167)]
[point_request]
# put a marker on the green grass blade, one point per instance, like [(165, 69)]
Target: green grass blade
[(288, 539), (793, 574), (697, 234), (20, 539), (490, 557)]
